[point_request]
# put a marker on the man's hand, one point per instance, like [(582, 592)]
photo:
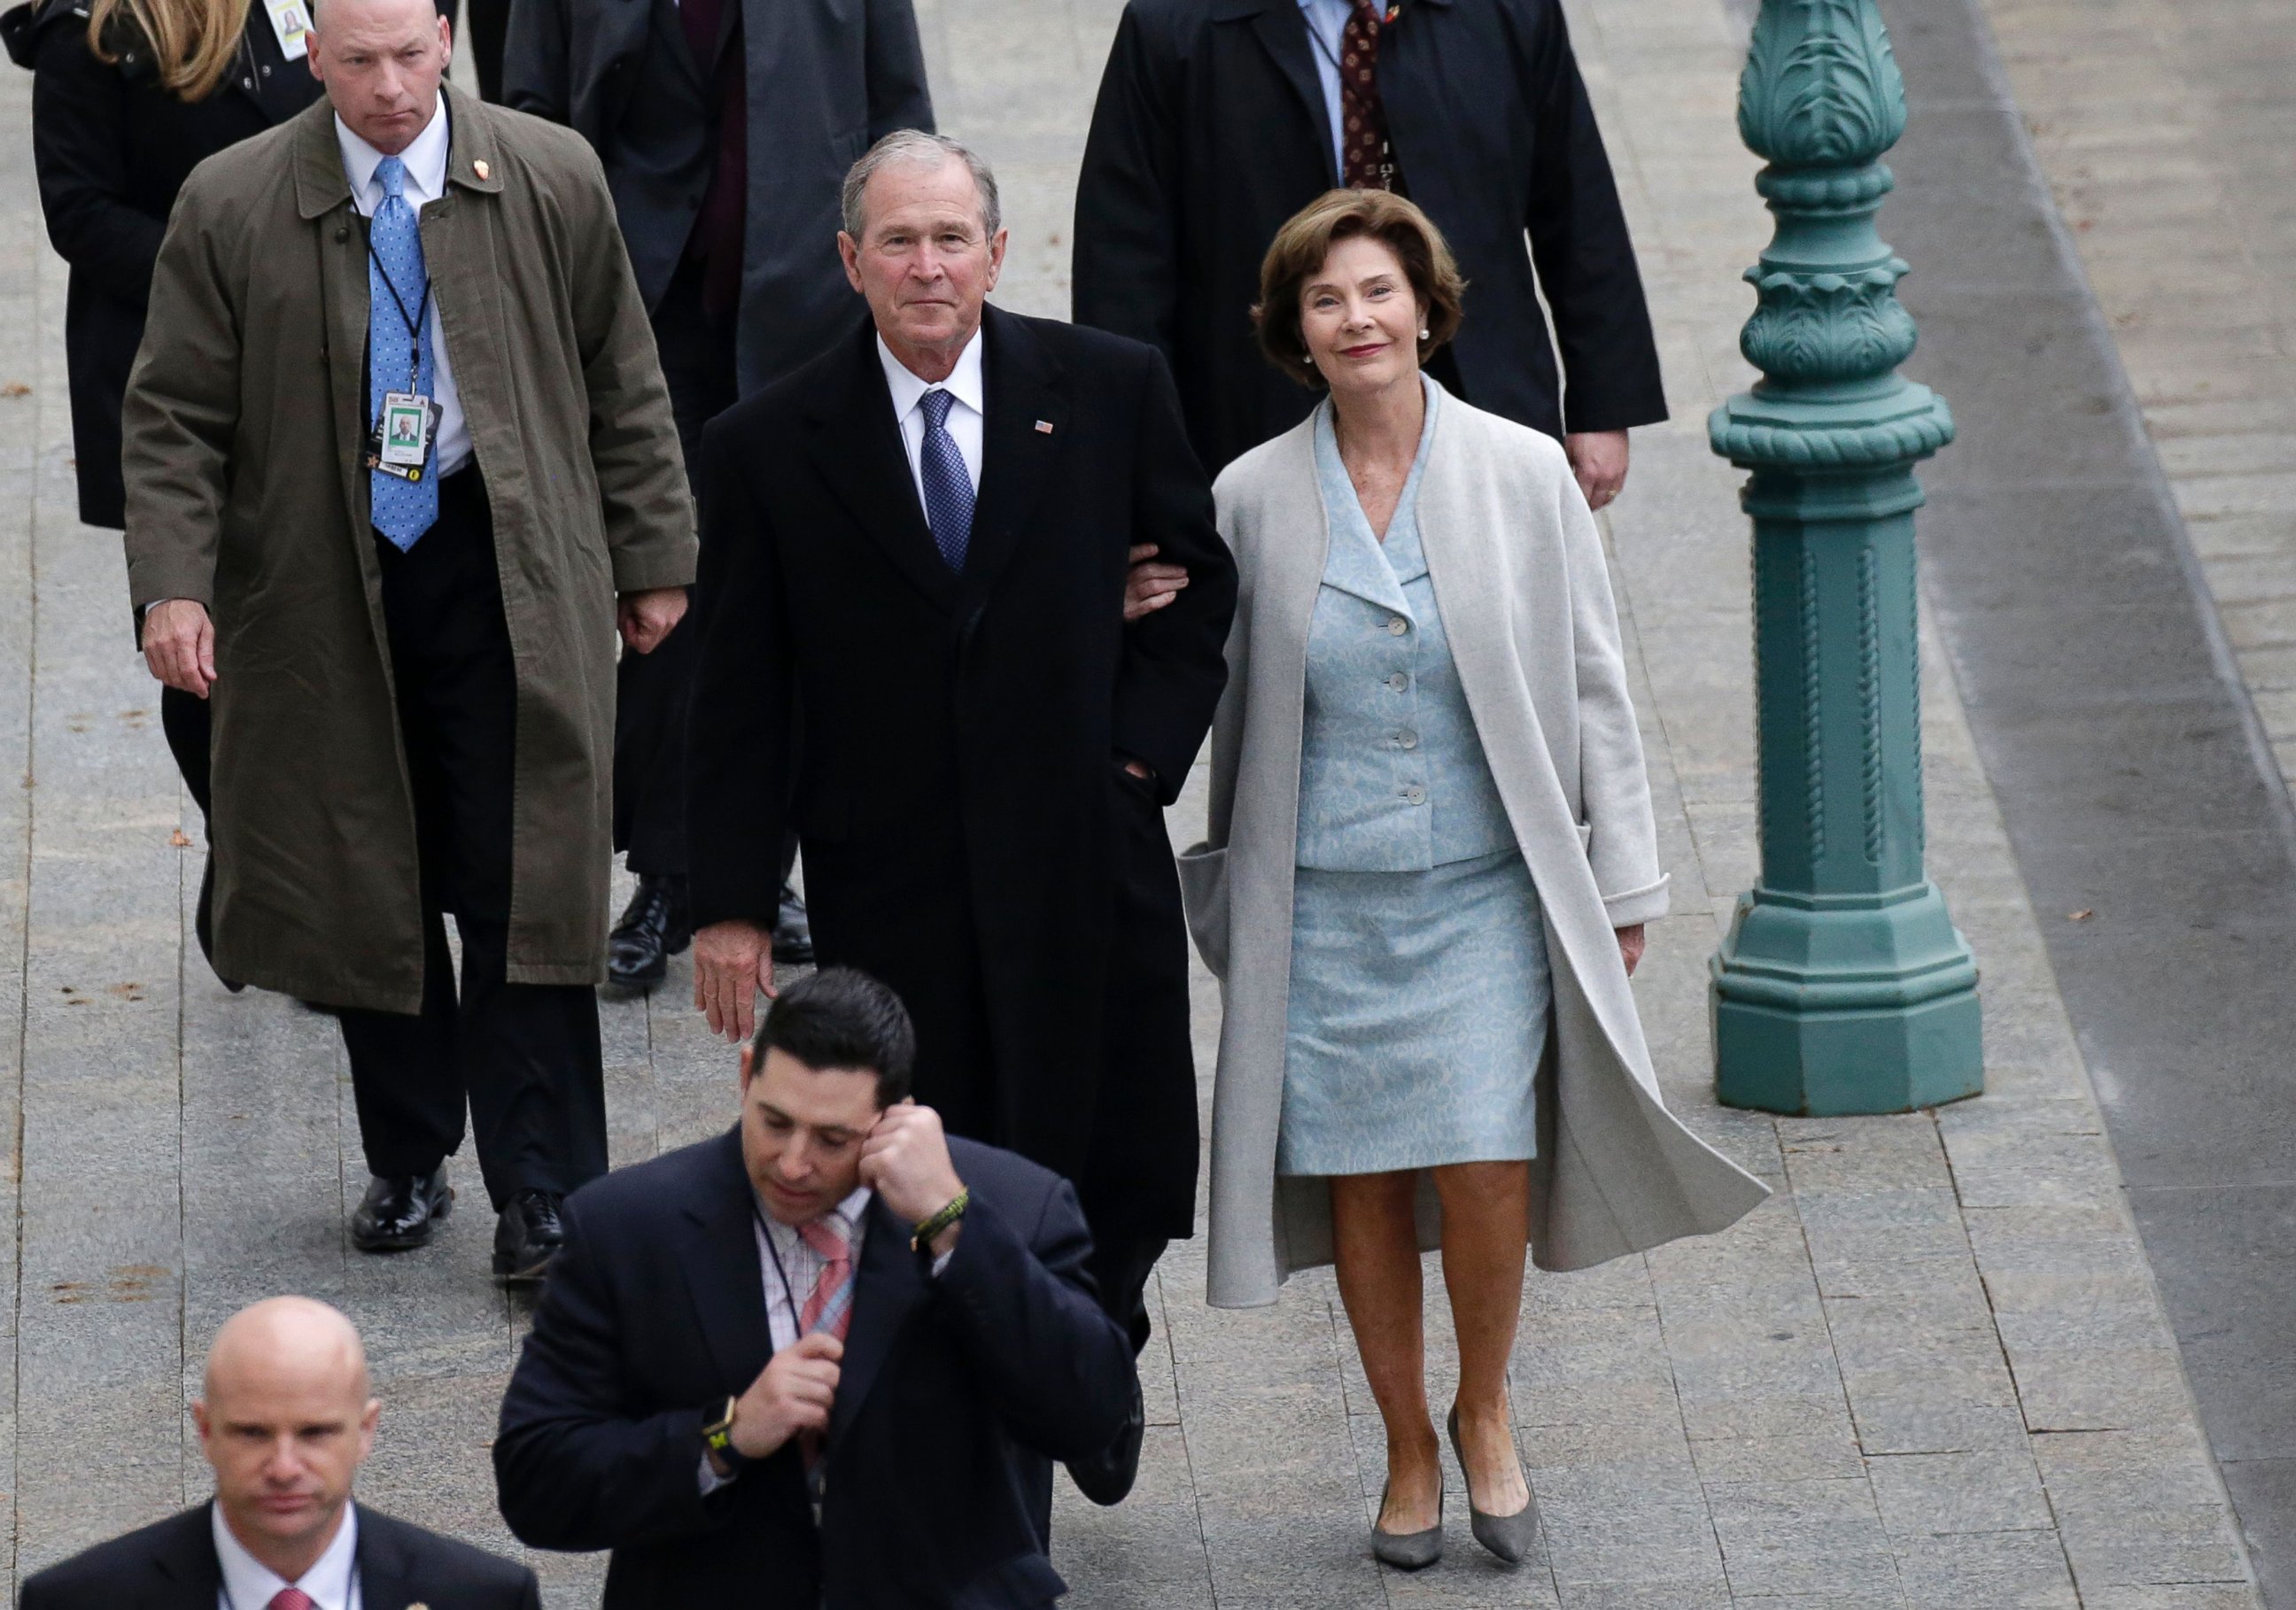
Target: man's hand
[(1150, 587), (793, 1393), (179, 645), (1598, 458), (644, 618), (732, 966), (1630, 947), (905, 1160)]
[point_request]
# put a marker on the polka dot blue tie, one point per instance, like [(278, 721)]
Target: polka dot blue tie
[(398, 359), (948, 488)]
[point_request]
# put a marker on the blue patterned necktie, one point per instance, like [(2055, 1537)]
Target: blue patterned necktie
[(948, 488), (398, 359)]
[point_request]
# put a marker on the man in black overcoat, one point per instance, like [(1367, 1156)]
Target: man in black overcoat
[(734, 258), (824, 1359), (1218, 119), (919, 540)]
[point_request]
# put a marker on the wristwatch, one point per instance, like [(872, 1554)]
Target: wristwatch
[(718, 1442)]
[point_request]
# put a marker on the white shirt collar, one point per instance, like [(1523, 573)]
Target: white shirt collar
[(425, 157), (963, 383), (850, 1210), (252, 1585)]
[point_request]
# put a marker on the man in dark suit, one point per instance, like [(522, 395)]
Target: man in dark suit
[(733, 258), (1218, 119), (285, 1421), (821, 1359), (920, 539)]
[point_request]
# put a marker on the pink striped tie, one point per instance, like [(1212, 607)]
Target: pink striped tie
[(829, 1306), (291, 1598)]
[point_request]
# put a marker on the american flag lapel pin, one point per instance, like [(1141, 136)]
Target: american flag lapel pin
[(1044, 426), (480, 168)]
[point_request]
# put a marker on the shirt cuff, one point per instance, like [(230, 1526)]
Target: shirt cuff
[(710, 1480)]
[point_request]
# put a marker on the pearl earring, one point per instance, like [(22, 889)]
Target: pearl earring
[(1423, 335)]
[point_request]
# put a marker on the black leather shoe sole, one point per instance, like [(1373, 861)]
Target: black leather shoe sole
[(523, 1265)]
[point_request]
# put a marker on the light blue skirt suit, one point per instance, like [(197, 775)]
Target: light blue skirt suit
[(1420, 990)]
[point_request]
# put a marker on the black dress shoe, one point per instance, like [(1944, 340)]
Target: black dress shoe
[(1107, 1477), (401, 1212), (654, 927), (527, 1236), (793, 932), (203, 921)]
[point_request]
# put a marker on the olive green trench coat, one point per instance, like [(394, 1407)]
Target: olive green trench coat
[(245, 426)]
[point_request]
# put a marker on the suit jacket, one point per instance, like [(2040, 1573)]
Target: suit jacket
[(1210, 131), (968, 835), (955, 1389), (1525, 597), (825, 81), (172, 1566), (112, 149)]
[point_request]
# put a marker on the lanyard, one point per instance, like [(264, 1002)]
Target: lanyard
[(413, 321)]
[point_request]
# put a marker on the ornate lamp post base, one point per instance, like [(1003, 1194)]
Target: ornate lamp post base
[(1843, 987), (1858, 1005)]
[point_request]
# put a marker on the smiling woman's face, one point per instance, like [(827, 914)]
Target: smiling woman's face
[(1360, 318)]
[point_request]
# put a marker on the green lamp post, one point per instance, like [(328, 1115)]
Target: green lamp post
[(1842, 987)]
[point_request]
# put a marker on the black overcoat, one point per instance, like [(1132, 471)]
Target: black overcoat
[(112, 149), (953, 1391), (968, 835), (1210, 131)]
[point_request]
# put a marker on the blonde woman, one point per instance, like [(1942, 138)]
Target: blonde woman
[(1429, 861)]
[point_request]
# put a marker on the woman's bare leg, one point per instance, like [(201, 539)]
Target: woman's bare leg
[(1377, 1257), (1485, 1229)]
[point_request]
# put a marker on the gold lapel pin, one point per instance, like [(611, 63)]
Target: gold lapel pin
[(479, 168), (1044, 426)]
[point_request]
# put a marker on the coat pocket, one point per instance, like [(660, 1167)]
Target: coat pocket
[(1203, 889)]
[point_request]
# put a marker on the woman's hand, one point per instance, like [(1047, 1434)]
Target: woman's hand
[(1630, 947)]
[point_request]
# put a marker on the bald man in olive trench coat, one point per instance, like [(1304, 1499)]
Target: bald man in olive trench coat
[(248, 492)]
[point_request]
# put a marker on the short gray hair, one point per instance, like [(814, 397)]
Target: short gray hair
[(915, 145)]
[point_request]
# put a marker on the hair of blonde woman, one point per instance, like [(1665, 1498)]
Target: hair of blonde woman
[(192, 42), (1300, 247)]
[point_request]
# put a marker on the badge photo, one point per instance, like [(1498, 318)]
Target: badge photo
[(406, 429)]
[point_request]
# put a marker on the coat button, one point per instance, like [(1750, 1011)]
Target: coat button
[(1397, 626), (1407, 740), (1414, 795), (1398, 681)]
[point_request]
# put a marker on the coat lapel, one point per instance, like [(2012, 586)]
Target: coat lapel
[(385, 1571), (856, 446), (887, 1289), (323, 197), (1025, 392), (721, 1269), (1282, 34), (184, 1564)]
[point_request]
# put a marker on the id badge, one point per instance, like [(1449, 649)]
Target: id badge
[(290, 20), (406, 431)]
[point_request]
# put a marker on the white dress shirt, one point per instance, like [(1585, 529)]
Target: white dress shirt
[(965, 383), (249, 1584), (426, 181)]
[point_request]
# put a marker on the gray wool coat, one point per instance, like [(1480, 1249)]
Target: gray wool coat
[(1519, 579)]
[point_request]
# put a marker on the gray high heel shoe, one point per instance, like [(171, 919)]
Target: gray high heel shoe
[(1508, 1536), (1408, 1551)]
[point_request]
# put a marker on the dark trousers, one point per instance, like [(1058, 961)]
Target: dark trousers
[(524, 1056), (652, 691), (486, 26)]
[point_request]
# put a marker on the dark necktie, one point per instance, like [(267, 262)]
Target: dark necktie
[(948, 488), (1363, 142)]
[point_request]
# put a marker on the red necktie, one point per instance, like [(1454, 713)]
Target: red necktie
[(829, 1306), (291, 1598), (1363, 142)]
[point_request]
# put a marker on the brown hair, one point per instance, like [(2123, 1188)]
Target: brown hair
[(192, 42), (1302, 246)]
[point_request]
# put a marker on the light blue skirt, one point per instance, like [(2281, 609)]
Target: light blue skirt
[(1418, 1014)]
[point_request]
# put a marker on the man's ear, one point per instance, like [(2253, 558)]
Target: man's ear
[(749, 1064)]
